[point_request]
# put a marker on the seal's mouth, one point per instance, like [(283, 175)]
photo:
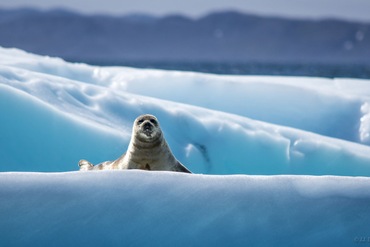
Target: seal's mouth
[(147, 129)]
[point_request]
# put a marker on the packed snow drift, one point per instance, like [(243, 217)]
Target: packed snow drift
[(55, 113), (141, 208)]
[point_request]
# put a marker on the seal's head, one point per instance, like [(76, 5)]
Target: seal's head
[(146, 128)]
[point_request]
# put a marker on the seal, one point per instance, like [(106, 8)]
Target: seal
[(148, 150)]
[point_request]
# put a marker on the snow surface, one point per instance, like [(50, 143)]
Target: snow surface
[(141, 208), (55, 113)]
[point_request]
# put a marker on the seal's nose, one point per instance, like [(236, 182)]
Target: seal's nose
[(147, 125)]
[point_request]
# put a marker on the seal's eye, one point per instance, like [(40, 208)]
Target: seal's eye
[(153, 121), (140, 121)]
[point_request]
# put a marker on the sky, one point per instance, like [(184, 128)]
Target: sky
[(313, 9)]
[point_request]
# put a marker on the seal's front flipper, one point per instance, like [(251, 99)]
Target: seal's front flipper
[(181, 168), (85, 165)]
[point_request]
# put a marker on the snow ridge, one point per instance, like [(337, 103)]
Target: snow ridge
[(139, 208), (61, 112)]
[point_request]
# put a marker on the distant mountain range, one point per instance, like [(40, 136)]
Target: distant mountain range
[(217, 37)]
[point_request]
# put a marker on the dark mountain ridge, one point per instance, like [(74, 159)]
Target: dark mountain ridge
[(218, 37)]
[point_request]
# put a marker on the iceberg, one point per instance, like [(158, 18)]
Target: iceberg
[(55, 113), (244, 132)]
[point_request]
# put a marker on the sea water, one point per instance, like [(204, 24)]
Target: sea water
[(251, 68)]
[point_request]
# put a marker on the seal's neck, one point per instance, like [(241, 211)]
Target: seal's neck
[(149, 150)]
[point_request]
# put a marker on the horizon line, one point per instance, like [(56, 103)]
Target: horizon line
[(184, 15)]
